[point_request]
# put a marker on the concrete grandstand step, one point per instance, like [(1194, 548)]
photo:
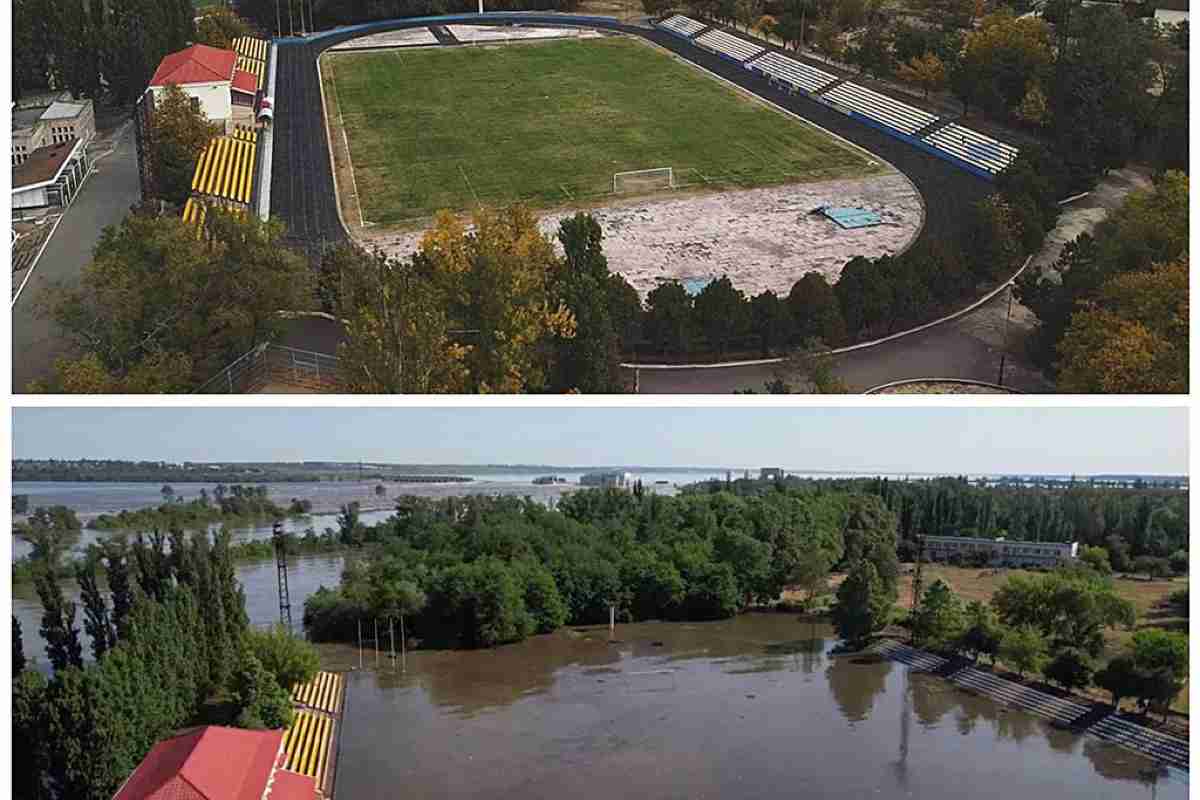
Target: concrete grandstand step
[(834, 85), (938, 123), (443, 34)]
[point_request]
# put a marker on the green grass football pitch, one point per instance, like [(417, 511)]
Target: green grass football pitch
[(549, 123)]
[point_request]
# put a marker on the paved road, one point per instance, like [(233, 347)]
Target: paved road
[(957, 349), (104, 200)]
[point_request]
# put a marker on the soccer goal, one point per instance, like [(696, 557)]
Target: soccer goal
[(643, 180)]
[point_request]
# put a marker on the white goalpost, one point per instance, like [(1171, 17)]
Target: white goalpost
[(642, 180)]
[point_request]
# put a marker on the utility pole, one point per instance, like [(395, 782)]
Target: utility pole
[(918, 578), (285, 604), (1004, 350)]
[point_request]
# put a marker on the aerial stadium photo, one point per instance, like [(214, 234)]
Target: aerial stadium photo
[(759, 197)]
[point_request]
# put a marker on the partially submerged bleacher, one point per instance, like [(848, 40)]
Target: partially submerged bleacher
[(682, 26), (728, 46), (879, 108), (797, 75), (976, 149)]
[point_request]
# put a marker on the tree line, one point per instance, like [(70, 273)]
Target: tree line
[(1077, 76), (170, 646), (98, 48), (323, 14), (1127, 523), (481, 571)]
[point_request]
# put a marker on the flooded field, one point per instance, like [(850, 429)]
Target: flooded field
[(748, 708)]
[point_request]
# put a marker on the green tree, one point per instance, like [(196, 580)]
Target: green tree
[(1070, 668), (18, 647), (863, 603), (155, 311), (816, 312), (722, 312), (1023, 648), (290, 659), (939, 620), (771, 321), (96, 620), (588, 356), (260, 700), (179, 133), (670, 322), (58, 622), (1120, 678), (983, 632), (1096, 558)]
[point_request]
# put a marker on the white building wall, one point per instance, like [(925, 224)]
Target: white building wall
[(214, 98)]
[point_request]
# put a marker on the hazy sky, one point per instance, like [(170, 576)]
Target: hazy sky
[(969, 440)]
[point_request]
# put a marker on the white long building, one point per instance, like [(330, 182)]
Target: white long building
[(1001, 551)]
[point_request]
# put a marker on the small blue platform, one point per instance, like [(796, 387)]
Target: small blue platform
[(851, 217)]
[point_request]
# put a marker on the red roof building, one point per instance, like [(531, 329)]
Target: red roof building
[(216, 763), (196, 64)]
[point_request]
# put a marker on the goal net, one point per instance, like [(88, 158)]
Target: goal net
[(643, 180)]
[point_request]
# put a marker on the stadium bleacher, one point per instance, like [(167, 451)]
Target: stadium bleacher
[(973, 147), (252, 57), (251, 47), (681, 26), (879, 108), (729, 46), (796, 74), (225, 168)]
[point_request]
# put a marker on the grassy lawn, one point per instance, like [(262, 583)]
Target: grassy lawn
[(549, 123)]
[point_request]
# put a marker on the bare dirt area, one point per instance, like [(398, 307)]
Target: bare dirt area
[(468, 34), (763, 239), (409, 37)]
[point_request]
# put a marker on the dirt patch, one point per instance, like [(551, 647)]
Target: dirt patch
[(941, 387), (763, 239)]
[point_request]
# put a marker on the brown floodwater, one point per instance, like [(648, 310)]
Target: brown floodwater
[(754, 707)]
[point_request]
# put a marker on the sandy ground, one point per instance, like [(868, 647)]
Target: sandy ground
[(934, 387), (407, 38), (761, 238), (484, 33)]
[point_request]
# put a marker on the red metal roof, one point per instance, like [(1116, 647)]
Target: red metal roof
[(196, 64), (244, 81), (292, 786), (209, 763)]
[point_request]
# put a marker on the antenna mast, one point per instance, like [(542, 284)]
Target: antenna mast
[(285, 605)]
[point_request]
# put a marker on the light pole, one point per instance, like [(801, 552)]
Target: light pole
[(1004, 352)]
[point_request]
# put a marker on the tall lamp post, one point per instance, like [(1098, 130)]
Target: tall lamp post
[(1007, 317)]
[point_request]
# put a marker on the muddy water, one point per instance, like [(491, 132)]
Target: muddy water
[(748, 708)]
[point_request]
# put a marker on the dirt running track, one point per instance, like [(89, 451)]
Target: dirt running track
[(302, 184)]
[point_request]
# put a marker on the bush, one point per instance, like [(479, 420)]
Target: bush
[(329, 616), (288, 658), (261, 701), (1023, 649)]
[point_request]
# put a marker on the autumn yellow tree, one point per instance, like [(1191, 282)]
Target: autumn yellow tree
[(496, 278), (927, 72), (1133, 338), (397, 336), (1033, 108)]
